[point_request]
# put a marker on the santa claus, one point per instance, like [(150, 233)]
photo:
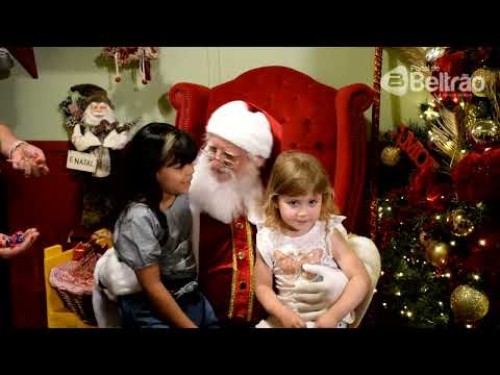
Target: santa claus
[(226, 198)]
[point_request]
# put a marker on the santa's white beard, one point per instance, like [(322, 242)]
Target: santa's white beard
[(89, 118), (227, 200)]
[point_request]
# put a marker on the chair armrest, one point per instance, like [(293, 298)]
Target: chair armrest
[(367, 251), (350, 171), (190, 102)]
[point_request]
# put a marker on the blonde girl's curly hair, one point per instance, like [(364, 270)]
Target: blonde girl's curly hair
[(296, 173)]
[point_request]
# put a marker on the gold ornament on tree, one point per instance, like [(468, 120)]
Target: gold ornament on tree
[(436, 253), (473, 112), (484, 84), (485, 132), (461, 224), (468, 304), (390, 155), (471, 115)]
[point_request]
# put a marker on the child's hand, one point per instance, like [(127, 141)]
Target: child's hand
[(30, 235), (290, 319), (326, 321)]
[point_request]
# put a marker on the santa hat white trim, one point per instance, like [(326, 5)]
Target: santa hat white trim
[(247, 129)]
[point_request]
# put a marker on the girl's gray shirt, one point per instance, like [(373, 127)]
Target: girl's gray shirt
[(140, 240)]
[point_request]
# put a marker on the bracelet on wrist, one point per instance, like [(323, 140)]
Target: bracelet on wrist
[(15, 146)]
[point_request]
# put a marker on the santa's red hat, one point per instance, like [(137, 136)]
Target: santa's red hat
[(244, 125)]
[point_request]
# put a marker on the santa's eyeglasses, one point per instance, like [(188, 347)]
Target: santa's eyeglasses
[(227, 159)]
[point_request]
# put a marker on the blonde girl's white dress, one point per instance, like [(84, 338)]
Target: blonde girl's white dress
[(285, 255)]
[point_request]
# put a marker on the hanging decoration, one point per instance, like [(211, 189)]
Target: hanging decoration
[(125, 57)]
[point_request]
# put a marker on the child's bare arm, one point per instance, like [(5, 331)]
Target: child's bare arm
[(268, 299), (357, 287)]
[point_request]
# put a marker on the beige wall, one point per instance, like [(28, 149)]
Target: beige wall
[(397, 109), (30, 106)]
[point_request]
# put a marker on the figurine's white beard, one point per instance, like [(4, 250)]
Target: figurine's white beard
[(91, 119), (226, 200)]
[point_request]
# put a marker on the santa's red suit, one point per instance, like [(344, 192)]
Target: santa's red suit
[(227, 256)]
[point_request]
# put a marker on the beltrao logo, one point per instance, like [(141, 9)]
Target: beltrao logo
[(400, 80)]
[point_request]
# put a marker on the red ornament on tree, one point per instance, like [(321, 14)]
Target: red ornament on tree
[(477, 176), (439, 196)]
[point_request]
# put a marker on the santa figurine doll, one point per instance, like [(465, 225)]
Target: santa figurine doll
[(93, 128), (96, 131)]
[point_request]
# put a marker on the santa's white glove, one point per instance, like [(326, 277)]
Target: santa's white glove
[(314, 297), (116, 277)]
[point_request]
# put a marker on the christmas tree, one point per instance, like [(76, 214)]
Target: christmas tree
[(438, 197)]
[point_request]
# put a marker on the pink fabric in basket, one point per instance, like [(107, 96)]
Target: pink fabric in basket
[(75, 276)]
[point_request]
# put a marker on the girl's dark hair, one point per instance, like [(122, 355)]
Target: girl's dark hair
[(154, 146)]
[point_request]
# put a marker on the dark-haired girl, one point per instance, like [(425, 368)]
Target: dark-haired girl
[(153, 232)]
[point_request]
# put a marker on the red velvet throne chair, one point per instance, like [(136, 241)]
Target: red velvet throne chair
[(326, 122), (315, 118)]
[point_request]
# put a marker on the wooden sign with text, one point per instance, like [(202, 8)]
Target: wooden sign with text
[(81, 161)]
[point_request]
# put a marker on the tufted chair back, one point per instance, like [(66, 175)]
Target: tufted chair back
[(314, 118)]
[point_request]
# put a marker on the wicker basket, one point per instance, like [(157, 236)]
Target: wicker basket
[(74, 281)]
